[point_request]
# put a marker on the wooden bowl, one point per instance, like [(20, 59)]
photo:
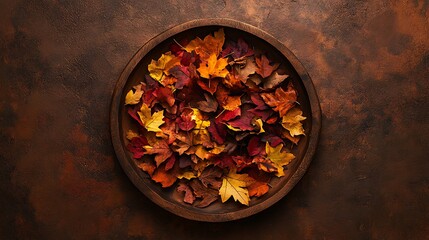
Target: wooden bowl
[(168, 198)]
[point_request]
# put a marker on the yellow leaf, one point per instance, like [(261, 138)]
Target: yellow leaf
[(187, 175), (233, 128), (162, 65), (131, 134), (292, 122), (217, 149), (235, 185), (151, 122), (260, 124), (278, 157), (198, 118), (201, 152), (213, 67), (134, 97)]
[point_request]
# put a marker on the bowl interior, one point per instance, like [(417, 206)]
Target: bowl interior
[(169, 198)]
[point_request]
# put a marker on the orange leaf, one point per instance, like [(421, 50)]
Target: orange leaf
[(281, 101), (213, 67), (164, 177), (258, 189)]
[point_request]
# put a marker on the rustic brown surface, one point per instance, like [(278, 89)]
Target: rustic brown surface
[(59, 177)]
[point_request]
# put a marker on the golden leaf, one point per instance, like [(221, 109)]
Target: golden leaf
[(162, 65), (235, 185), (213, 67), (278, 157), (292, 122), (151, 122), (134, 97)]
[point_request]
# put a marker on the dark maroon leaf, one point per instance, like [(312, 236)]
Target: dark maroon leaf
[(182, 74), (136, 146), (255, 146), (217, 132)]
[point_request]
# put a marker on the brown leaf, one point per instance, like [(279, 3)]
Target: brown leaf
[(161, 149), (210, 177), (210, 105), (189, 195), (274, 80), (208, 195)]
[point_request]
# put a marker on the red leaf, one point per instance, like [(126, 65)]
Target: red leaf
[(217, 132), (224, 161), (255, 146), (237, 50), (182, 74), (185, 121), (244, 122), (241, 162), (132, 111), (136, 146), (209, 85), (169, 163), (228, 115), (273, 140), (164, 95)]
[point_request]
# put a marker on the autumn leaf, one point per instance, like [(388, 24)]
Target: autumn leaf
[(210, 177), (161, 149), (131, 134), (278, 157), (244, 122), (213, 67), (210, 105), (189, 195), (281, 101), (207, 195), (185, 122), (163, 64), (164, 95), (274, 80), (134, 97), (258, 189), (147, 166), (166, 178), (237, 50), (225, 116), (211, 45), (182, 75), (249, 69), (135, 146), (255, 146), (234, 185), (209, 86), (264, 68), (292, 122), (217, 132), (149, 121)]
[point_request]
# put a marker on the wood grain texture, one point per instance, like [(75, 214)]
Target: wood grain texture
[(59, 62)]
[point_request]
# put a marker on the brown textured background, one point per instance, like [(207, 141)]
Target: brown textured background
[(59, 62)]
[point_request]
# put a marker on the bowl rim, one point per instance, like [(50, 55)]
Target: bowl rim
[(181, 210)]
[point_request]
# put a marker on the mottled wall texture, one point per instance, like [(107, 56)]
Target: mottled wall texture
[(60, 60)]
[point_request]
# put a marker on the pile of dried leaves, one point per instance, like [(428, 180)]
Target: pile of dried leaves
[(215, 117)]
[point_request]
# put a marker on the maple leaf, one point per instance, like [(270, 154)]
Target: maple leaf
[(234, 185), (166, 178), (208, 195), (213, 67), (274, 80), (135, 146), (185, 122), (264, 68), (281, 101), (161, 149), (189, 195), (134, 97), (182, 74), (278, 157), (211, 45), (147, 166), (149, 121), (287, 135), (163, 64), (210, 105), (233, 81), (237, 50), (168, 131), (169, 163), (210, 177), (292, 122), (248, 69)]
